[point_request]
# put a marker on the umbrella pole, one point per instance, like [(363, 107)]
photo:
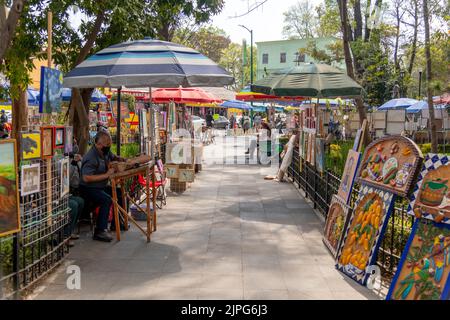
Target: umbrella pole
[(118, 121)]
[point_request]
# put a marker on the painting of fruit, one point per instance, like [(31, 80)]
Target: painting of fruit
[(423, 271), (9, 209), (335, 224)]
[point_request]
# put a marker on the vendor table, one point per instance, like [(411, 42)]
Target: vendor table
[(119, 179)]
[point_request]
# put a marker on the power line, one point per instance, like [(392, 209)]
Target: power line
[(255, 6)]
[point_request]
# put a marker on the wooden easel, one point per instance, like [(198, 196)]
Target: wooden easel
[(118, 179)]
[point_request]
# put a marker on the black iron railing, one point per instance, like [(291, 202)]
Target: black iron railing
[(320, 187)]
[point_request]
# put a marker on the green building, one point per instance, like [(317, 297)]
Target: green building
[(281, 54)]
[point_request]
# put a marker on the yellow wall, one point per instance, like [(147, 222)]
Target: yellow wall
[(36, 73)]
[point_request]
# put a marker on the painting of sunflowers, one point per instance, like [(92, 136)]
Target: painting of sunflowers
[(423, 272)]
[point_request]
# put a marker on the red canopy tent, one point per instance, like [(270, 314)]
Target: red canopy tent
[(183, 95)]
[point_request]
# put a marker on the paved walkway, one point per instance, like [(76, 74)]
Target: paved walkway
[(232, 235)]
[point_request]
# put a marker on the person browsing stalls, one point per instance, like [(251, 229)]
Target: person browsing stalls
[(94, 186)]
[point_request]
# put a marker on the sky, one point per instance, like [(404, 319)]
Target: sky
[(266, 21)]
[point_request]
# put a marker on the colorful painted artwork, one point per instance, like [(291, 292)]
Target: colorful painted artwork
[(51, 90), (335, 225), (65, 177), (186, 175), (47, 142), (363, 234), (68, 145), (30, 179), (431, 196), (351, 166), (59, 138), (172, 171), (320, 154), (424, 268), (391, 163), (30, 143), (9, 194)]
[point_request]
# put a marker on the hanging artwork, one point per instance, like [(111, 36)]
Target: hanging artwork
[(312, 148), (186, 175), (30, 179), (320, 154), (363, 234), (51, 90), (30, 143), (47, 142), (9, 188), (335, 225), (58, 137), (390, 163), (431, 196), (172, 171), (357, 140), (424, 268), (65, 181), (68, 144), (351, 165)]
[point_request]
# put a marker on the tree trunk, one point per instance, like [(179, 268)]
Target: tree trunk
[(8, 28), (414, 42), (19, 116), (397, 38), (434, 146), (358, 19), (366, 21)]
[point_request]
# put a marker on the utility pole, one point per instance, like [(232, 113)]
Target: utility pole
[(251, 66)]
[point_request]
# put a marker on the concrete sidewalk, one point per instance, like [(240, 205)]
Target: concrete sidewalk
[(232, 235)]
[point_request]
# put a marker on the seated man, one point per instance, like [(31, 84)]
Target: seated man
[(95, 173)]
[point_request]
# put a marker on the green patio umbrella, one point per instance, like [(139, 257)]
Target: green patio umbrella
[(309, 80)]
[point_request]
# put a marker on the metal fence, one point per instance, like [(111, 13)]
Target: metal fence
[(320, 187), (40, 246)]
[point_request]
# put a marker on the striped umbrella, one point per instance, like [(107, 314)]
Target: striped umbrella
[(147, 63)]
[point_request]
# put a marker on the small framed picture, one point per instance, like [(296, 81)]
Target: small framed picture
[(68, 145), (47, 142), (172, 171), (30, 143), (59, 137), (65, 181), (30, 179), (186, 175)]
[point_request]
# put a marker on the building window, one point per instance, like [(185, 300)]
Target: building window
[(265, 58), (301, 57), (283, 57)]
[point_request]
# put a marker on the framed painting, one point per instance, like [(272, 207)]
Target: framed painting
[(30, 144), (424, 268), (9, 188), (312, 148), (348, 177), (364, 232), (431, 195), (30, 179), (320, 154), (186, 175), (357, 140), (65, 179), (47, 142), (336, 224), (172, 171), (391, 163), (59, 137), (51, 90), (68, 144)]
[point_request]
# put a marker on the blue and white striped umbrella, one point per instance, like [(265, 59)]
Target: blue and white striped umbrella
[(147, 63)]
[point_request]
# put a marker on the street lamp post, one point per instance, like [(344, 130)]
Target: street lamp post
[(251, 65)]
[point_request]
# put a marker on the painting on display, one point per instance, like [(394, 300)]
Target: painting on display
[(68, 144), (335, 225), (363, 233), (9, 194), (357, 140), (186, 175), (431, 196), (348, 177), (312, 148), (30, 143), (65, 180), (320, 154), (47, 142), (172, 171), (59, 137), (390, 163), (424, 268), (51, 90), (30, 179)]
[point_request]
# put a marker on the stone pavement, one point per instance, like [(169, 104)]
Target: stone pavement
[(231, 235)]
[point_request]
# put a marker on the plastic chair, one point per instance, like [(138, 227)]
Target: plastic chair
[(160, 185)]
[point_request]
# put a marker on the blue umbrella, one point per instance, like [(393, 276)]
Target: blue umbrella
[(398, 104), (97, 96), (32, 95), (236, 104), (421, 105)]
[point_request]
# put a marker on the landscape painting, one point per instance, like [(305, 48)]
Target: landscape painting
[(9, 196)]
